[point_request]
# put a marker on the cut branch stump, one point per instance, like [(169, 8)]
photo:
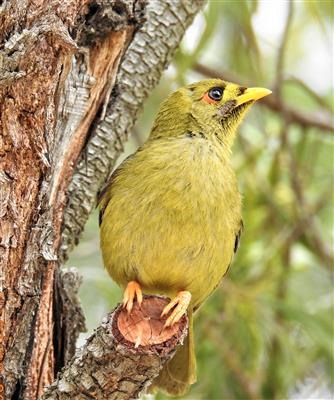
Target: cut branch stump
[(122, 357)]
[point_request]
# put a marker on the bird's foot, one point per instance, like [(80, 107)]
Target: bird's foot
[(132, 291), (181, 303)]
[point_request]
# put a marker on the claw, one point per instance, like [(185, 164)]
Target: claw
[(132, 291), (181, 303)]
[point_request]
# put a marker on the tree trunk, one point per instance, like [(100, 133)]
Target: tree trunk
[(73, 76)]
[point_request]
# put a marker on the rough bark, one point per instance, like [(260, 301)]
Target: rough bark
[(112, 364), (62, 125)]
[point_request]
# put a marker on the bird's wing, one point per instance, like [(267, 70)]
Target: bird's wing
[(238, 236), (236, 244), (104, 195)]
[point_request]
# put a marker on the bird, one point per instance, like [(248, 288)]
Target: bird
[(170, 214)]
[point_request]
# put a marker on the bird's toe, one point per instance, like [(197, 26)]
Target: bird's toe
[(179, 305), (133, 291)]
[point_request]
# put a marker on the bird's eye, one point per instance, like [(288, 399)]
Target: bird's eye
[(216, 93)]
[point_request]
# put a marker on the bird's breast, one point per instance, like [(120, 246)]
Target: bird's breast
[(172, 218)]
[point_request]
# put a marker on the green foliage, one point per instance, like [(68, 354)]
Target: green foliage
[(270, 325)]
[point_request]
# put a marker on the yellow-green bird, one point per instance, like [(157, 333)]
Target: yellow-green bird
[(171, 214)]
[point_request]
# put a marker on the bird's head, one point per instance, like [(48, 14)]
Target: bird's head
[(212, 107)]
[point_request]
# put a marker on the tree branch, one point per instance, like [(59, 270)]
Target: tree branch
[(112, 364), (272, 102)]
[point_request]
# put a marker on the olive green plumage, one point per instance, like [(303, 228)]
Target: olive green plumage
[(171, 214)]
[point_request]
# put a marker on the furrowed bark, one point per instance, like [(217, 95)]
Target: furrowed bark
[(111, 365), (62, 126)]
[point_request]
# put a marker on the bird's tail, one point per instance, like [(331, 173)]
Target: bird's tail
[(180, 372)]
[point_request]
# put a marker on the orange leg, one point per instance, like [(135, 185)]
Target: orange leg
[(132, 291), (180, 304)]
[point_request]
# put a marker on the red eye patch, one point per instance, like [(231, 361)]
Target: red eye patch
[(214, 95), (207, 99)]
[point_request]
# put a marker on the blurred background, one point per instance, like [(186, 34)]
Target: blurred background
[(267, 333)]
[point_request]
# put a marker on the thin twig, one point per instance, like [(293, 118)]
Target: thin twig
[(247, 383), (294, 80), (282, 51)]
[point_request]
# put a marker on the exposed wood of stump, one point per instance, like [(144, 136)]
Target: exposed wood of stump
[(123, 356)]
